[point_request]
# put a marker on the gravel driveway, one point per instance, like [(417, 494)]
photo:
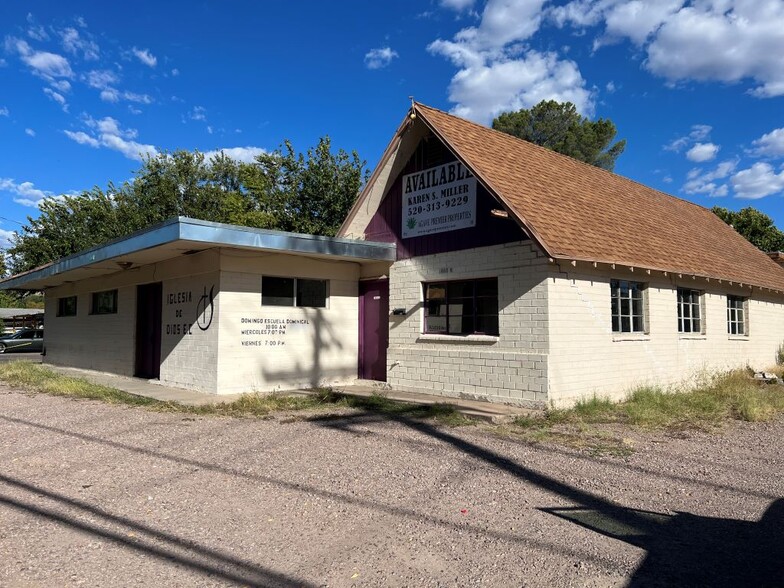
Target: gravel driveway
[(98, 495)]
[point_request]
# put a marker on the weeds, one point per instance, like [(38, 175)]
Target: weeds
[(37, 378)]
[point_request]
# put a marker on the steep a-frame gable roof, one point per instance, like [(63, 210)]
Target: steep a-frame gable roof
[(579, 212)]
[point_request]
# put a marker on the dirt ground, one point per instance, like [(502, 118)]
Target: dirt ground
[(98, 495)]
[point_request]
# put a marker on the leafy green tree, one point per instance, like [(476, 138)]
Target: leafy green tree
[(558, 126), (281, 190), (755, 226), (311, 193)]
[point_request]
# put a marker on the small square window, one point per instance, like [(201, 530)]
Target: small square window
[(277, 291), (66, 306), (104, 302)]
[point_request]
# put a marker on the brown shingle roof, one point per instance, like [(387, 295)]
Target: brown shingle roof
[(580, 212)]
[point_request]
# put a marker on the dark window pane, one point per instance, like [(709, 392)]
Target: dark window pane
[(277, 291), (487, 306), (104, 302), (616, 324), (312, 293), (637, 324), (460, 290), (625, 307), (637, 307), (625, 324), (66, 306), (487, 288), (487, 325)]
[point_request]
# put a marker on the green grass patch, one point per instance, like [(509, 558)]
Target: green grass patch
[(733, 395), (37, 378)]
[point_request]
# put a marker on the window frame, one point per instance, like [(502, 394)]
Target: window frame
[(62, 311), (475, 314), (94, 310), (617, 316), (296, 291), (691, 305), (743, 309)]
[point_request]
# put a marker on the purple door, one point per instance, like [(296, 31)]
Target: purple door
[(373, 329)]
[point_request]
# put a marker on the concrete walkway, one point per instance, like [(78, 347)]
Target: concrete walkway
[(476, 409)]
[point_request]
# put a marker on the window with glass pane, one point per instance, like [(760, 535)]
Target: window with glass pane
[(736, 315), (299, 292), (689, 320), (311, 293), (466, 307), (104, 302), (626, 305), (66, 306)]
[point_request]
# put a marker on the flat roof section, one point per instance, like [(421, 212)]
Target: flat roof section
[(182, 235)]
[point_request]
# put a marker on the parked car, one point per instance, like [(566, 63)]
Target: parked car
[(26, 340)]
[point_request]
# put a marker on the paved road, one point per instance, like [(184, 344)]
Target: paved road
[(99, 495)]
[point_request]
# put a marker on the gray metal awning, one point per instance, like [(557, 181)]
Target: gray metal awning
[(181, 235)]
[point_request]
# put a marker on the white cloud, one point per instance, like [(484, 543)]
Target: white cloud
[(4, 111), (145, 57), (497, 73), (101, 78), (30, 132), (82, 138), (698, 133), (457, 5), (43, 64), (134, 97), (61, 85), (175, 72), (379, 58), (75, 44), (770, 144), (758, 181), (26, 192), (6, 238), (703, 40), (699, 182), (59, 98), (209, 129), (244, 154), (702, 152), (108, 133), (110, 95), (198, 113)]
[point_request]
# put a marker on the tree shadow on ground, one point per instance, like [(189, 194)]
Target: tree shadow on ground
[(681, 549), (144, 539)]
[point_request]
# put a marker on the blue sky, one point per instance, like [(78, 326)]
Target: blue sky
[(696, 88)]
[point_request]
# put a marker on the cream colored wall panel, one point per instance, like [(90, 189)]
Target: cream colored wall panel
[(189, 335), (268, 348), (587, 358)]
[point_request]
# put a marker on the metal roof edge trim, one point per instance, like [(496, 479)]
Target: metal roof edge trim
[(188, 229)]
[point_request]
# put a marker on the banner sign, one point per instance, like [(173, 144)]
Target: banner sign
[(438, 199)]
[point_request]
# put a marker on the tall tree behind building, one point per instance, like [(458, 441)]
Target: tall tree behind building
[(281, 190), (558, 126), (756, 226)]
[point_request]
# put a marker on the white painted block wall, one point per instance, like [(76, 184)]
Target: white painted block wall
[(511, 368), (587, 358), (318, 346)]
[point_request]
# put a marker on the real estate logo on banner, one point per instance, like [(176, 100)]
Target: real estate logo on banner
[(438, 199)]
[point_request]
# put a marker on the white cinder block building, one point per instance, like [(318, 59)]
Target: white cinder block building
[(473, 264), (528, 277)]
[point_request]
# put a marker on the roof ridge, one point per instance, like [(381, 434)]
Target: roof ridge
[(561, 155)]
